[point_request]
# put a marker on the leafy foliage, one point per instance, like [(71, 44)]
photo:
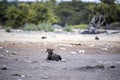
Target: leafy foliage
[(8, 29), (30, 27), (40, 26), (108, 1), (3, 7), (75, 12), (81, 26), (17, 15), (72, 13), (68, 29), (34, 13)]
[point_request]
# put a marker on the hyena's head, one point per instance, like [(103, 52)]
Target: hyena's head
[(50, 51)]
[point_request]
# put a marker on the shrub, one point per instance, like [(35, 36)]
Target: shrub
[(16, 15), (68, 28), (115, 26), (81, 26), (30, 27), (33, 13), (45, 27), (40, 26), (8, 29)]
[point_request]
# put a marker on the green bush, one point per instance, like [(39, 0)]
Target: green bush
[(16, 15), (115, 26), (32, 13), (68, 28), (40, 26), (30, 27), (81, 26), (45, 27), (8, 29)]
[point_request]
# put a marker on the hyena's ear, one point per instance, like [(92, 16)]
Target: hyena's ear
[(46, 50), (52, 49)]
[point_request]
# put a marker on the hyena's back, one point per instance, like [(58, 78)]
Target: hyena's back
[(56, 57)]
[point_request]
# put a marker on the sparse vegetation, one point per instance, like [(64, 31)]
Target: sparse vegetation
[(68, 28), (8, 29), (39, 27), (45, 27), (81, 26), (74, 12), (34, 13), (30, 27)]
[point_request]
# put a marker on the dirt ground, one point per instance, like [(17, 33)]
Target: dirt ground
[(23, 56)]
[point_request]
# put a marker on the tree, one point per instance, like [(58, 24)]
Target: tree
[(103, 14), (39, 12), (34, 13), (72, 13), (17, 15), (3, 7), (109, 2)]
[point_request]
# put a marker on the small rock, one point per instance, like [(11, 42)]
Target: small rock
[(96, 38), (1, 56), (112, 66), (16, 74), (44, 77), (104, 49), (19, 75), (63, 60), (6, 51), (4, 67), (43, 37), (62, 48), (81, 51), (23, 76), (14, 53), (73, 52), (100, 66), (77, 44)]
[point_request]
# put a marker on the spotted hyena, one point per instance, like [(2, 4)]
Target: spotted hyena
[(52, 56)]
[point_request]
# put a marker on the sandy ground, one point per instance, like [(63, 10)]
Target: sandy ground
[(23, 56), (55, 37)]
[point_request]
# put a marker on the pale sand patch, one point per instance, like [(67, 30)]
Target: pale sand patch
[(57, 37)]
